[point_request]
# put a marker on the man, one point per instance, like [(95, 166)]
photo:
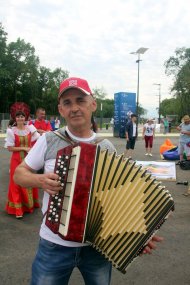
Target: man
[(40, 123), (166, 125), (184, 137), (131, 135), (56, 258)]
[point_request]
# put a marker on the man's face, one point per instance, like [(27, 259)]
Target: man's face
[(134, 119), (41, 115), (77, 109)]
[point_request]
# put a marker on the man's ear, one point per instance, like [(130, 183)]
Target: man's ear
[(94, 105), (60, 110)]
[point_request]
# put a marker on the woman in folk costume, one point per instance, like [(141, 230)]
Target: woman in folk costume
[(18, 141)]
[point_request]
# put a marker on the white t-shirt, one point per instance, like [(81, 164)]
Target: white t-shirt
[(149, 129), (57, 123), (35, 160), (134, 129)]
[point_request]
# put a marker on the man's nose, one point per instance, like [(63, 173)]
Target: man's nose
[(74, 107)]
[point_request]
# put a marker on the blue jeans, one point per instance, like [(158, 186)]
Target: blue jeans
[(54, 264)]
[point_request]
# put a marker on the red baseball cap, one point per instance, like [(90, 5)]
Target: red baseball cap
[(74, 82)]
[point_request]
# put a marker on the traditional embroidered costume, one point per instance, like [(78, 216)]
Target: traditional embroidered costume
[(20, 199)]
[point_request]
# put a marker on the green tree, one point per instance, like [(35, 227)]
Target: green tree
[(142, 112), (169, 107), (178, 66), (99, 93), (49, 82), (23, 65), (4, 73)]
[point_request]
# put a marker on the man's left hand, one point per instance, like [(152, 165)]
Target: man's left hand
[(152, 244)]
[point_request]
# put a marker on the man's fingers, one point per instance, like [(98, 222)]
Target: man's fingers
[(50, 183), (152, 244), (51, 192), (157, 238)]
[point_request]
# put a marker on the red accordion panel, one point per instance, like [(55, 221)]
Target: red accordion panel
[(81, 193), (81, 182)]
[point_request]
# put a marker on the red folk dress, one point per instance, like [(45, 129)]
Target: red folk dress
[(20, 199)]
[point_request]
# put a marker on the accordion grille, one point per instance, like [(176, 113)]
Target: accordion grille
[(127, 206)]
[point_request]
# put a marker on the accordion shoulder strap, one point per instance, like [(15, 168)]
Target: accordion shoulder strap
[(64, 137)]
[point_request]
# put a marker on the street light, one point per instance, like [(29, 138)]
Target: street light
[(159, 100), (101, 115), (140, 51)]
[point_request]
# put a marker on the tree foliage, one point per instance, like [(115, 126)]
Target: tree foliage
[(23, 79), (169, 107), (178, 66)]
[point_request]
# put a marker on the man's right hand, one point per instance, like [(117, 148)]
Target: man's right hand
[(50, 183)]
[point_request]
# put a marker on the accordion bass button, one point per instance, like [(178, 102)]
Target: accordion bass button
[(56, 220), (49, 219)]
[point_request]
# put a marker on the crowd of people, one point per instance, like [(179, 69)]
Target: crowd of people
[(148, 135)]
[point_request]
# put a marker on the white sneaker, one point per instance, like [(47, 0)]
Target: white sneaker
[(150, 154), (146, 153)]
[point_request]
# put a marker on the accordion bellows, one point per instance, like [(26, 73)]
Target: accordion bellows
[(107, 201)]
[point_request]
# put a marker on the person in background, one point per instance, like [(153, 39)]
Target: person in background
[(18, 141), (40, 123), (57, 123), (148, 135), (166, 125), (56, 258), (52, 123), (131, 135), (184, 137)]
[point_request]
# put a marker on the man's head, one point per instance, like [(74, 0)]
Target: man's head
[(76, 103), (133, 117), (76, 83), (40, 114), (186, 119)]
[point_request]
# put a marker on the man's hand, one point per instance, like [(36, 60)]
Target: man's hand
[(152, 244), (50, 183)]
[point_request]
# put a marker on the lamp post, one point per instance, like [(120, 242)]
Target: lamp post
[(101, 115), (140, 51), (159, 100)]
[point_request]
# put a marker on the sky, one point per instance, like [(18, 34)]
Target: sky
[(93, 39)]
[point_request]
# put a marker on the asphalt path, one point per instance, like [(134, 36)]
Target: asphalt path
[(169, 264)]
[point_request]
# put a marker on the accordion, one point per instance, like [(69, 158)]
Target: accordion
[(107, 201)]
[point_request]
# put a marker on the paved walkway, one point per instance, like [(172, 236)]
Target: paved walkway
[(109, 133)]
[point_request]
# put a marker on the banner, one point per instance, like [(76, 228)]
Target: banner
[(160, 170), (124, 106)]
